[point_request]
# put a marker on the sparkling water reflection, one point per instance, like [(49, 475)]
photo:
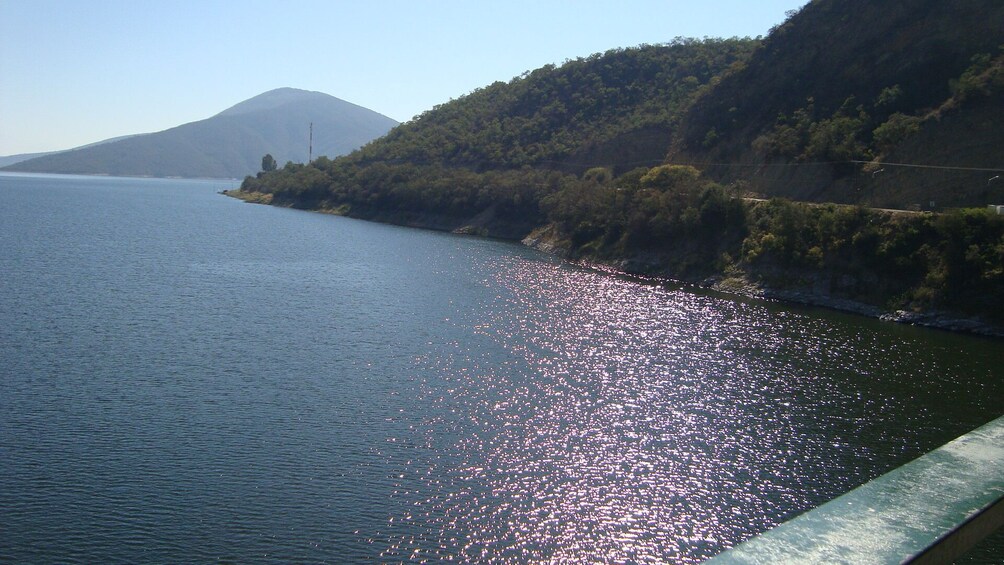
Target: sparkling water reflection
[(615, 421), (188, 378)]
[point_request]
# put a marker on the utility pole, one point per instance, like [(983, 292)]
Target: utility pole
[(310, 153)]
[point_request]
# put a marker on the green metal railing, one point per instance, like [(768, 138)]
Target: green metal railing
[(931, 510)]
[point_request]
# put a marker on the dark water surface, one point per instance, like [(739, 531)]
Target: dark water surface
[(187, 378)]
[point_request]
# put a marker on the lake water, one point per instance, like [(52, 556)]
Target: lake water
[(188, 378)]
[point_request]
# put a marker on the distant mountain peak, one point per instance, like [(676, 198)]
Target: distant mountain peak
[(274, 99), (231, 143)]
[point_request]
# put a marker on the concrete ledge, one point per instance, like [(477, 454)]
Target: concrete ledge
[(931, 510)]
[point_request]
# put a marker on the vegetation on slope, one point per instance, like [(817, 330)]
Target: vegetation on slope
[(858, 80), (670, 220), (501, 149)]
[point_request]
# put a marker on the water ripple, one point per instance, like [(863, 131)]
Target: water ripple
[(189, 379)]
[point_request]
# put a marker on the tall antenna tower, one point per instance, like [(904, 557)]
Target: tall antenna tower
[(310, 153)]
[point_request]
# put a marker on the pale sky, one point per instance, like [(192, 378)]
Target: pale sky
[(78, 71)]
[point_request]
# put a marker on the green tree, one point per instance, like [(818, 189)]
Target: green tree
[(268, 163), (897, 128)]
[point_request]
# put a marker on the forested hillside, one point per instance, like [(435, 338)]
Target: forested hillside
[(646, 158), (496, 152), (917, 82)]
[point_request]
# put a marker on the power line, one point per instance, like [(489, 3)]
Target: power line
[(790, 164), (943, 167)]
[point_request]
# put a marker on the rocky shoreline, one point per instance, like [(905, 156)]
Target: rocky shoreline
[(547, 240), (937, 320)]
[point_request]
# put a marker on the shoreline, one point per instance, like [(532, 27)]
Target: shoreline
[(935, 320), (740, 285), (544, 239)]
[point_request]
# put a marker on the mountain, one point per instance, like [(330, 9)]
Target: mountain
[(11, 159), (230, 144), (615, 108), (498, 151), (918, 82), (646, 159), (21, 157), (880, 103)]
